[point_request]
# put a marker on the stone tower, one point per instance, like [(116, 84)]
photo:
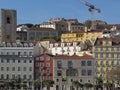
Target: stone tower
[(8, 25)]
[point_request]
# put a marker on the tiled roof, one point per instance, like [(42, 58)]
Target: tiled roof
[(85, 56)]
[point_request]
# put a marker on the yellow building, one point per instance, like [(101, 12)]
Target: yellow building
[(107, 54), (81, 36)]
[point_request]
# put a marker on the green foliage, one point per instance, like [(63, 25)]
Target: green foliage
[(48, 83), (88, 23), (36, 83), (88, 85), (99, 82), (77, 84)]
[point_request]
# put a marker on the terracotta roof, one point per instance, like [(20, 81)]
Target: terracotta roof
[(85, 56)]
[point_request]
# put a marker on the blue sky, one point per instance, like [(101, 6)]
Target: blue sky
[(37, 11)]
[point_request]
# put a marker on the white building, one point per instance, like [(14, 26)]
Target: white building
[(65, 48), (16, 62)]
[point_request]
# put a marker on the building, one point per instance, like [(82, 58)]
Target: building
[(58, 24), (81, 36), (72, 48), (36, 33), (107, 55), (43, 67), (73, 24), (8, 25), (72, 68), (17, 62)]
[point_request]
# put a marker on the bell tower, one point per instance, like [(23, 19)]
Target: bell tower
[(8, 25)]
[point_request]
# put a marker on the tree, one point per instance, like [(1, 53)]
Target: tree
[(99, 83), (114, 75), (77, 84), (108, 85), (36, 83), (88, 24), (48, 83), (88, 85)]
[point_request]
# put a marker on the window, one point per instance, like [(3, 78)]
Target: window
[(89, 63), (8, 20), (96, 55), (13, 76), (59, 73), (24, 76), (19, 76), (47, 58), (7, 68), (30, 61), (13, 60), (18, 61), (24, 61), (13, 68), (71, 72), (30, 68), (83, 63), (13, 53), (24, 68), (7, 76), (101, 55), (48, 72), (30, 54), (2, 61), (83, 72), (107, 55), (8, 60), (59, 64), (47, 64), (18, 68), (7, 53), (89, 72), (2, 68), (70, 64), (41, 58), (2, 76), (30, 76)]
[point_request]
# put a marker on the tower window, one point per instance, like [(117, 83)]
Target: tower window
[(8, 19)]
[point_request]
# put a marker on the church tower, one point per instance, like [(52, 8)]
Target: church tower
[(8, 25)]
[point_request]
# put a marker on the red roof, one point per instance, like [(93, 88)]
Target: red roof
[(85, 56)]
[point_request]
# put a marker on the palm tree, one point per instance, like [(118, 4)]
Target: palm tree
[(88, 85), (76, 84), (48, 83)]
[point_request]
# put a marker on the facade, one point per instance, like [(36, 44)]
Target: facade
[(65, 48), (43, 67), (36, 34), (8, 25), (72, 68), (58, 24), (81, 36), (16, 62), (107, 55)]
